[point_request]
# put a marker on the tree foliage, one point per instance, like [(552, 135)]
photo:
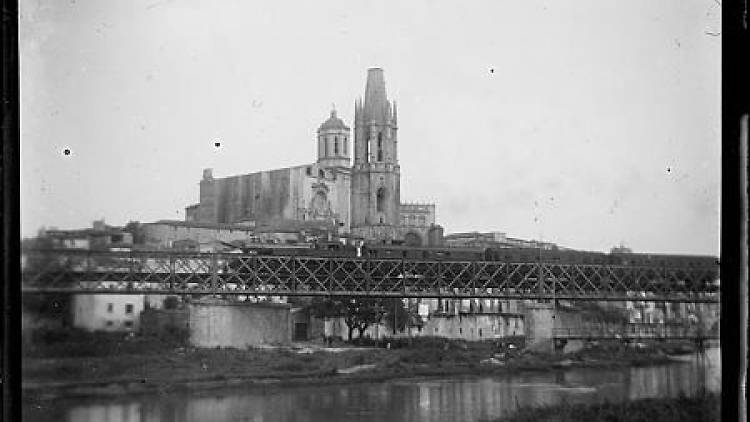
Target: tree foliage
[(358, 313), (361, 313), (40, 258), (398, 315)]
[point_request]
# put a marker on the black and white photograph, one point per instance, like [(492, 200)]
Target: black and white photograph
[(424, 210)]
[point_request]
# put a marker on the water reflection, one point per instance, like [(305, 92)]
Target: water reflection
[(465, 399)]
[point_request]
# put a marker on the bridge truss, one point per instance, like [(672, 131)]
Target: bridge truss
[(71, 271)]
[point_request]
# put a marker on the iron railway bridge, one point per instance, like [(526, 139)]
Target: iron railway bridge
[(90, 272)]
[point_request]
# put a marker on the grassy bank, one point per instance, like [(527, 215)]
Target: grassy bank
[(702, 408), (79, 363)]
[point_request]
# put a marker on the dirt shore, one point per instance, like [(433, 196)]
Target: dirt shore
[(133, 367)]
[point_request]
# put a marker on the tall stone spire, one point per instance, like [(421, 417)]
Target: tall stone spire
[(376, 176), (376, 103)]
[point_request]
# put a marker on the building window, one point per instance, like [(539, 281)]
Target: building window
[(110, 307), (321, 173), (129, 308), (109, 323), (381, 200), (129, 324), (436, 329), (336, 145), (480, 332), (309, 171), (367, 150), (460, 331)]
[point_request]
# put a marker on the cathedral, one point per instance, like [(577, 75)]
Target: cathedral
[(361, 199)]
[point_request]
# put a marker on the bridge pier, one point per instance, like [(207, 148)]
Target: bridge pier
[(539, 321)]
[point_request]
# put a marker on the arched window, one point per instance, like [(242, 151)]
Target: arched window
[(321, 173), (367, 150), (336, 145), (381, 200)]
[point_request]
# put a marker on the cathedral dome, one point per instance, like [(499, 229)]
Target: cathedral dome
[(333, 122)]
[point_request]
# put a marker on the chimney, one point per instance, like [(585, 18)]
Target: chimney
[(99, 224)]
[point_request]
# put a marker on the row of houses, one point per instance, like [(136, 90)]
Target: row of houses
[(175, 235), (495, 240), (230, 322)]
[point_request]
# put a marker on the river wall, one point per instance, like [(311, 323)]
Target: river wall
[(226, 324)]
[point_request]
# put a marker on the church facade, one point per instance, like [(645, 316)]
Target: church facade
[(360, 198)]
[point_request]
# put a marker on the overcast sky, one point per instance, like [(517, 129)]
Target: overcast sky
[(583, 122)]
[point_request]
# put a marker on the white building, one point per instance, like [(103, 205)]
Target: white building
[(106, 312)]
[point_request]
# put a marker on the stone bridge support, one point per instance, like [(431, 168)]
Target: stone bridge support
[(539, 321)]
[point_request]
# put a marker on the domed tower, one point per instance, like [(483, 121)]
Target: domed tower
[(333, 143), (376, 180)]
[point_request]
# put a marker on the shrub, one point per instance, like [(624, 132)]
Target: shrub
[(360, 360), (171, 302), (175, 335)]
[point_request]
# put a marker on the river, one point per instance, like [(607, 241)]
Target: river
[(431, 399)]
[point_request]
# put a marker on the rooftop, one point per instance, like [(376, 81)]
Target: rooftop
[(179, 223)]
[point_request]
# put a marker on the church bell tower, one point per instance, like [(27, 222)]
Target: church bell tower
[(333, 142), (375, 176)]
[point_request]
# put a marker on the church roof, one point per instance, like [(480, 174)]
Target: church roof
[(333, 122)]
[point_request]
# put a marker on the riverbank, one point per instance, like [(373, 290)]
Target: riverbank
[(701, 408), (111, 365)]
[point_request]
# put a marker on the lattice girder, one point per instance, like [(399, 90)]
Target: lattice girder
[(72, 271)]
